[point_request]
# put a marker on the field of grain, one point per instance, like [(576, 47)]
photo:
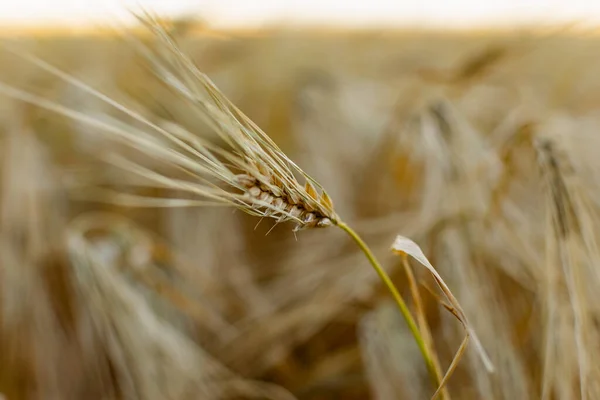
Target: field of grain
[(480, 147)]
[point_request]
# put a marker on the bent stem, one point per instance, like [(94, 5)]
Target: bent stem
[(385, 278)]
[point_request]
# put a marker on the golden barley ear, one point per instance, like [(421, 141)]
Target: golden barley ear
[(253, 174), (268, 177)]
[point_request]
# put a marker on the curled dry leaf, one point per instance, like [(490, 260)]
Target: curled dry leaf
[(403, 245)]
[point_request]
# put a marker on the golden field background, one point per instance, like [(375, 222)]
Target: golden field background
[(481, 147)]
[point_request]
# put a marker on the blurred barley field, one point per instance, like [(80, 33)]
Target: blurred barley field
[(481, 147)]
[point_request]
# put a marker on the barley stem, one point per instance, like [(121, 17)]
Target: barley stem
[(385, 278), (424, 328)]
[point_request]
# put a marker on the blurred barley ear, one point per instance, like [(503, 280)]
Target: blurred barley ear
[(571, 250)]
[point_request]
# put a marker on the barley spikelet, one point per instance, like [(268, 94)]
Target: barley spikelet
[(271, 195)]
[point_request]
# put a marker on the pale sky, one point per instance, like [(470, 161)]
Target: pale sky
[(356, 12)]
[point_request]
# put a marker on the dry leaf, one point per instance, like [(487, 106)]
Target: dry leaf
[(403, 245)]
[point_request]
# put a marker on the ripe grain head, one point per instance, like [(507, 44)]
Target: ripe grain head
[(247, 171)]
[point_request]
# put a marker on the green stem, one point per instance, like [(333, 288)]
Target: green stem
[(399, 300)]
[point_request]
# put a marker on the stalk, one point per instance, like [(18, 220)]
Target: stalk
[(424, 327), (387, 281)]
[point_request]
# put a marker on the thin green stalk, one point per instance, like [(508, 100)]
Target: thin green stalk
[(399, 300), (424, 326)]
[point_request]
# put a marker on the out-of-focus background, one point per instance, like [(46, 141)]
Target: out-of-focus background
[(469, 127)]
